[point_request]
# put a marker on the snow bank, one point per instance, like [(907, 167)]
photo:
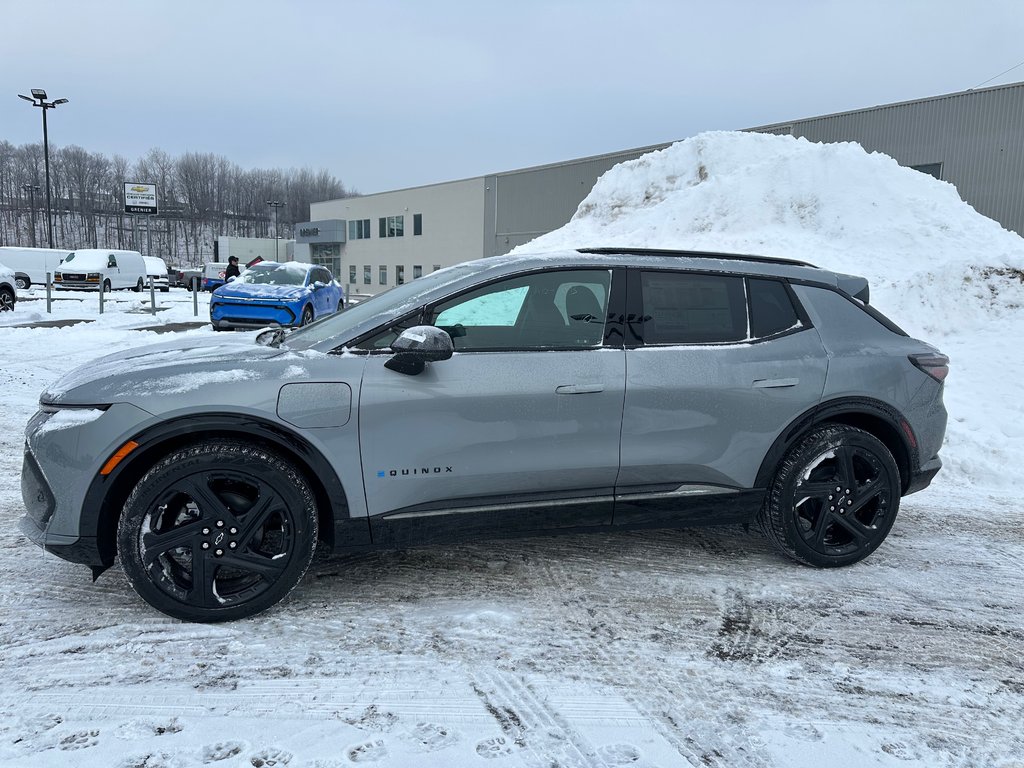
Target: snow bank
[(941, 270)]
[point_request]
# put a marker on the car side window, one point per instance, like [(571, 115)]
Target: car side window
[(563, 309), (687, 308), (111, 261), (771, 308)]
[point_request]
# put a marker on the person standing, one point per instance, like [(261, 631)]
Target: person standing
[(232, 270)]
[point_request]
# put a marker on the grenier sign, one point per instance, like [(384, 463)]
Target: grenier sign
[(325, 231)]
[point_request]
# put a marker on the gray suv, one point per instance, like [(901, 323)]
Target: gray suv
[(580, 390)]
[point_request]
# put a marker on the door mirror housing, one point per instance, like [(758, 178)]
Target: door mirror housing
[(417, 346)]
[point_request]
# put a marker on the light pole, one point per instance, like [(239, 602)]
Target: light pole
[(277, 238), (32, 189), (38, 99)]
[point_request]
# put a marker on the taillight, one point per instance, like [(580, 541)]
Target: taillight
[(936, 366)]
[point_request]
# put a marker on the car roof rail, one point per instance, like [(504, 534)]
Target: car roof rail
[(698, 255)]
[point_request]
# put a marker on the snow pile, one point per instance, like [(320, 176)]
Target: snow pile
[(941, 270)]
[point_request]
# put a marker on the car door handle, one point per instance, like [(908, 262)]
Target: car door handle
[(774, 383), (578, 389)]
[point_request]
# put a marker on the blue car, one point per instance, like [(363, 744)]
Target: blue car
[(276, 293)]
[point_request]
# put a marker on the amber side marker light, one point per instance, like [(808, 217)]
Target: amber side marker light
[(116, 459)]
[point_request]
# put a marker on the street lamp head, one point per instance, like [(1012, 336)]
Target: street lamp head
[(39, 93), (60, 101), (26, 98)]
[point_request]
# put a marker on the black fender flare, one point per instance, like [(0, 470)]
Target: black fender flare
[(874, 416), (106, 495)]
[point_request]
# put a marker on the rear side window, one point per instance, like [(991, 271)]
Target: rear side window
[(771, 308), (685, 308)]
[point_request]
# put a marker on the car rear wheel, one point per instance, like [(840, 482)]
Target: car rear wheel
[(22, 282), (139, 286), (6, 299), (834, 497), (217, 531), (307, 315)]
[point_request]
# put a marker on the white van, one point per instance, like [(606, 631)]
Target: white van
[(95, 268), (156, 269), (30, 265)]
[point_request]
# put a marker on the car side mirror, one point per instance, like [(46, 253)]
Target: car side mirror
[(417, 346)]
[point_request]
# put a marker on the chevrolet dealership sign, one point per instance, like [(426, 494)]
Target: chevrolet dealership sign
[(139, 198)]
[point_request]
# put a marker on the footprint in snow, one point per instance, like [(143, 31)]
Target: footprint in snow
[(619, 754), (78, 740), (222, 750), (269, 758), (368, 752), (494, 747), (431, 737)]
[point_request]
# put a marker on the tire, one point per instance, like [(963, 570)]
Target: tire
[(307, 315), (245, 514), (22, 282), (834, 498), (6, 299), (139, 286), (106, 286)]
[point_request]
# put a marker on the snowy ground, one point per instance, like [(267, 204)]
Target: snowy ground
[(662, 648)]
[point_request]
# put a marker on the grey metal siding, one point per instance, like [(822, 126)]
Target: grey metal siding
[(525, 204), (978, 136)]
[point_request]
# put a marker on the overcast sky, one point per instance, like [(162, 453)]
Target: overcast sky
[(398, 93)]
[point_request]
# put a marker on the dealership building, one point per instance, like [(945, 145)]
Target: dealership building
[(972, 139)]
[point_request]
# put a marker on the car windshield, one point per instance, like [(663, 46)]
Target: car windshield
[(387, 306), (274, 274)]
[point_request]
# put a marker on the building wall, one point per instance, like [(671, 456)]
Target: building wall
[(977, 137), (452, 225), (524, 204)]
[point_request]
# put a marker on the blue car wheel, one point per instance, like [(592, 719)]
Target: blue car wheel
[(307, 315)]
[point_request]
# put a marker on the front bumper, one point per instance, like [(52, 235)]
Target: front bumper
[(40, 506), (62, 461), (251, 314)]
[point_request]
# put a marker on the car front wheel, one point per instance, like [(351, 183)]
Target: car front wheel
[(217, 531), (307, 315), (834, 497), (6, 299)]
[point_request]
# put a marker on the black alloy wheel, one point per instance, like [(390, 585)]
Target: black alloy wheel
[(834, 498), (6, 299), (217, 531), (307, 315)]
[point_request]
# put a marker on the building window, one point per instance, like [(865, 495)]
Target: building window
[(366, 274), (359, 229), (417, 271), (383, 274), (392, 226), (352, 274), (399, 274), (417, 223)]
